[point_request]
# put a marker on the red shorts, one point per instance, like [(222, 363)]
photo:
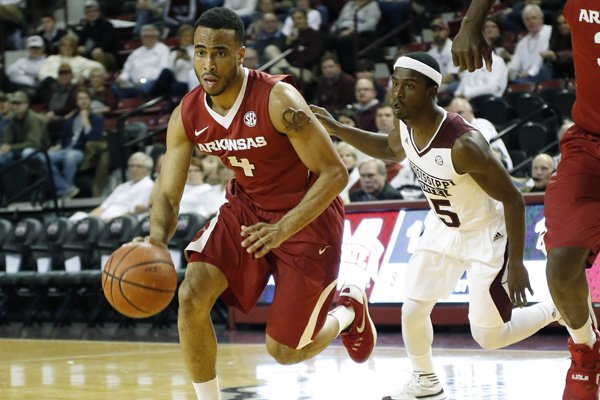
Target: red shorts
[(572, 199), (305, 267)]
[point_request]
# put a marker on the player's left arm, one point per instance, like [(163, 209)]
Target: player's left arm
[(291, 116), (472, 154)]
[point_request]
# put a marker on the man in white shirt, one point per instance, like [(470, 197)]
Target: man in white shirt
[(24, 72), (526, 62), (463, 108), (128, 196), (440, 51), (483, 82), (143, 66)]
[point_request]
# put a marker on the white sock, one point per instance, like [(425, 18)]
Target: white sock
[(208, 390), (583, 335), (344, 316)]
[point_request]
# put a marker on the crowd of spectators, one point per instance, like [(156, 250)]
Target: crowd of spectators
[(60, 95)]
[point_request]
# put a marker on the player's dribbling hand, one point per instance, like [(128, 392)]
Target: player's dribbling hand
[(261, 238), (518, 283)]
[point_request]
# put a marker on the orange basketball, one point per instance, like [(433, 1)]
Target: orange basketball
[(139, 279)]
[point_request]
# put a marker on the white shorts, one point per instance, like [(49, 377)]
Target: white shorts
[(444, 254)]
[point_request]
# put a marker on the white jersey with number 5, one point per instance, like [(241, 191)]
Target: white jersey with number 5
[(456, 199)]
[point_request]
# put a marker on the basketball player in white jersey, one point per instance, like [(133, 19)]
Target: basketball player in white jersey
[(476, 223)]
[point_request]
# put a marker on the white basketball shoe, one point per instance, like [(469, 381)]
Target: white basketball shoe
[(421, 386)]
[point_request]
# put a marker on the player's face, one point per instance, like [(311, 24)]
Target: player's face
[(410, 94), (217, 59)]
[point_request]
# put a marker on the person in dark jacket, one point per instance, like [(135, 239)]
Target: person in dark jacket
[(373, 183), (66, 156), (97, 37)]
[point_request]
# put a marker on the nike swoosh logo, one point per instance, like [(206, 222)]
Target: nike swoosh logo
[(321, 251), (199, 132), (361, 328)]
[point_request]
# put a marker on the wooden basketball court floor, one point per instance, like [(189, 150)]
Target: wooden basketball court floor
[(98, 370)]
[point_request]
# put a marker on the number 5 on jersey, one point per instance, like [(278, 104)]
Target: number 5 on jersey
[(446, 216), (242, 163)]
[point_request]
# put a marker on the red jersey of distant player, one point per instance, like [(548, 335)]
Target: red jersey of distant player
[(265, 163), (583, 16)]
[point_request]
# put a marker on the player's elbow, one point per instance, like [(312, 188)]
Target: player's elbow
[(340, 178)]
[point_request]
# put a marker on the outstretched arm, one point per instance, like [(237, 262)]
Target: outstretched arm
[(472, 154), (291, 116), (377, 145), (173, 174), (469, 47)]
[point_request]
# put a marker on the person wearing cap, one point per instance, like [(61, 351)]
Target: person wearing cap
[(143, 66), (24, 72), (26, 131), (97, 36), (440, 51), (60, 100), (476, 225)]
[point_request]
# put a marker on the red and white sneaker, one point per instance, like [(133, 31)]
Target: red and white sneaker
[(360, 337), (583, 377)]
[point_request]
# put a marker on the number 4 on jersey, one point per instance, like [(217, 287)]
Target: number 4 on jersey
[(242, 163)]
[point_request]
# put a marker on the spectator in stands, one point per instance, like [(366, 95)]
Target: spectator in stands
[(335, 88), (373, 183), (558, 59), (244, 8), (367, 14), (181, 60), (80, 65), (542, 168), (143, 66), (126, 197), (147, 12), (215, 197), (251, 59), (5, 114), (440, 50), (97, 36), (483, 82), (12, 19), (24, 72), (60, 100), (366, 104), (349, 156), (306, 51), (527, 60), (194, 190), (365, 68), (67, 155), (463, 108), (103, 98), (313, 18), (268, 34), (25, 133), (493, 34), (209, 168), (346, 116), (178, 12), (51, 33)]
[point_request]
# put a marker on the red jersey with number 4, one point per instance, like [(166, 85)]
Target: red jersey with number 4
[(266, 166), (583, 16)]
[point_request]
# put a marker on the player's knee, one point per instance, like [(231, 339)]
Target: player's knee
[(194, 295), (283, 354), (486, 338)]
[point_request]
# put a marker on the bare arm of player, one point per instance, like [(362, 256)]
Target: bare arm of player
[(469, 47), (291, 115), (173, 174), (472, 154), (371, 143)]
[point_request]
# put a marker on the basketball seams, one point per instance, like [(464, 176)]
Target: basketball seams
[(117, 269)]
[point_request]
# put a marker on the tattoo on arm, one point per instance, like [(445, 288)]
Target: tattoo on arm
[(294, 119)]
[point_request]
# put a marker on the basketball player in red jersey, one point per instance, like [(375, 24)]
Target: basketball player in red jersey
[(283, 217), (572, 199), (476, 223)]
